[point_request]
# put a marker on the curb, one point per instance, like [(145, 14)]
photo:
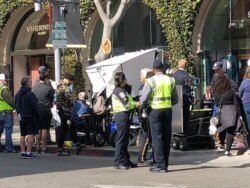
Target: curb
[(134, 151)]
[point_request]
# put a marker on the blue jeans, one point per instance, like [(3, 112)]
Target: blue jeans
[(6, 122), (246, 107)]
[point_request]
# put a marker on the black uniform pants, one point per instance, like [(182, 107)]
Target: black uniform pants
[(122, 140), (160, 121)]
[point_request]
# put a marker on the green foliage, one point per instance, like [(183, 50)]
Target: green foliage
[(87, 7), (79, 84), (177, 19), (71, 62), (7, 7)]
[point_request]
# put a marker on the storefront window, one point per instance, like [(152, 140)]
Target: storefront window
[(226, 36)]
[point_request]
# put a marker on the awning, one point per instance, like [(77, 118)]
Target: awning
[(101, 74), (32, 52)]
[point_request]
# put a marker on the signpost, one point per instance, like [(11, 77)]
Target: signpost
[(59, 36)]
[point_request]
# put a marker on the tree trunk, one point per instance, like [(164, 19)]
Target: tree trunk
[(109, 23)]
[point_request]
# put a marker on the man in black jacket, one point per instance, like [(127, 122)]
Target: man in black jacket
[(182, 78), (27, 111)]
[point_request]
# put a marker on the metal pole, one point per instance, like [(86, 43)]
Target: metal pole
[(57, 65), (37, 5), (57, 56), (230, 23), (150, 26)]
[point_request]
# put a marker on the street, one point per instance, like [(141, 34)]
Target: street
[(199, 170)]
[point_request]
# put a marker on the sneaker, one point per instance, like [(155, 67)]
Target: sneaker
[(63, 153), (221, 148), (44, 151), (227, 153), (28, 156), (32, 156), (24, 156), (11, 151), (38, 151)]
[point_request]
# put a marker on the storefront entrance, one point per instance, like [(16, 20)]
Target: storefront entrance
[(226, 38)]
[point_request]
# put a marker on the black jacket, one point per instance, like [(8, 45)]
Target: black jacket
[(26, 103)]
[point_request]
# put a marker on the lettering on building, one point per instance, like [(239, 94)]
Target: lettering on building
[(40, 29)]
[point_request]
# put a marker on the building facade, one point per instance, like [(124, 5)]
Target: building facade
[(221, 32)]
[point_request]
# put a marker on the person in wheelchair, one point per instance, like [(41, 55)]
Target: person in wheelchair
[(80, 110)]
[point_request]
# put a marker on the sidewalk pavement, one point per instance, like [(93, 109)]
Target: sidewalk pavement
[(109, 151)]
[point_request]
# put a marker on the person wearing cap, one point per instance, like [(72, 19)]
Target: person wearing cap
[(182, 78), (44, 72), (45, 95), (218, 72), (7, 105), (64, 103), (160, 92)]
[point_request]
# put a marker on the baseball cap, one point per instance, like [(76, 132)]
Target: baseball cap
[(42, 69), (217, 65), (157, 64), (4, 77)]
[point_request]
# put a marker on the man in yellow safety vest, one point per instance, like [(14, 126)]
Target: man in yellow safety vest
[(159, 91)]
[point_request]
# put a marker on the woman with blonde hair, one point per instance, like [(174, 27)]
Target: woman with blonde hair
[(244, 93)]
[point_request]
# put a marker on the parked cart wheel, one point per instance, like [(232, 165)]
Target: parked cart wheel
[(183, 144), (98, 138), (176, 143)]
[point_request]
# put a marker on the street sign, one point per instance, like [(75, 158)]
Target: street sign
[(59, 35)]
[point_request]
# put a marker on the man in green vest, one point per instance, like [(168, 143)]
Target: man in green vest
[(159, 91), (7, 104)]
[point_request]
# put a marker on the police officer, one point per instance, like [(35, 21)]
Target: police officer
[(160, 91), (64, 102), (122, 104)]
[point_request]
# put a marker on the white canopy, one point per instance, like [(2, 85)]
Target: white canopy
[(101, 74)]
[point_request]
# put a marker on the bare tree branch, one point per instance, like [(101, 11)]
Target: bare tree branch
[(108, 8), (109, 23), (100, 10)]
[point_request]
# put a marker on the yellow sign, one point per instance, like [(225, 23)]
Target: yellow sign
[(106, 46)]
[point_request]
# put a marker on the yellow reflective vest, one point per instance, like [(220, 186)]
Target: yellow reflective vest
[(4, 106), (162, 89), (122, 106)]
